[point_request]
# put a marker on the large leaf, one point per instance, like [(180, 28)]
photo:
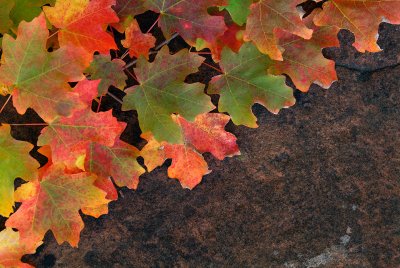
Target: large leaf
[(36, 78), (268, 15), (68, 137), (82, 22), (15, 163), (205, 134), (244, 82), (360, 17), (53, 203), (162, 92)]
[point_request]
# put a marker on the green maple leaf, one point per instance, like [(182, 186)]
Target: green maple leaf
[(162, 92), (15, 163), (245, 81), (239, 10)]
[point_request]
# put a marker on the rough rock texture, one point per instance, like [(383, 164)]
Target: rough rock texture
[(316, 186)]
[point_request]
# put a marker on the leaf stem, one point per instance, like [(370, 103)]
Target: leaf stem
[(5, 104)]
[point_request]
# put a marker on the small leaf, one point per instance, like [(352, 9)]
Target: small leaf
[(68, 137), (110, 72), (138, 42)]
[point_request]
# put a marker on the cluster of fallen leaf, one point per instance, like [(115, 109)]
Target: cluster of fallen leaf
[(47, 44)]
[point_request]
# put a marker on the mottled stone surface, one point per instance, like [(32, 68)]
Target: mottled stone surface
[(316, 186)]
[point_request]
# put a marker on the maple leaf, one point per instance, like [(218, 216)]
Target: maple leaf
[(36, 78), (53, 203), (11, 251), (81, 23), (138, 42), (111, 72), (244, 82), (162, 92), (360, 17), (303, 60), (15, 163), (118, 161), (190, 19), (239, 10), (268, 15), (205, 134), (68, 137), (103, 183)]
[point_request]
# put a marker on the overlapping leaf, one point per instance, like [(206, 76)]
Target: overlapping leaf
[(239, 10), (37, 78), (118, 161), (269, 15), (53, 203), (205, 134), (81, 23), (15, 163), (162, 92), (128, 8), (244, 81), (68, 137), (190, 19), (360, 17), (110, 72), (11, 250), (303, 60)]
